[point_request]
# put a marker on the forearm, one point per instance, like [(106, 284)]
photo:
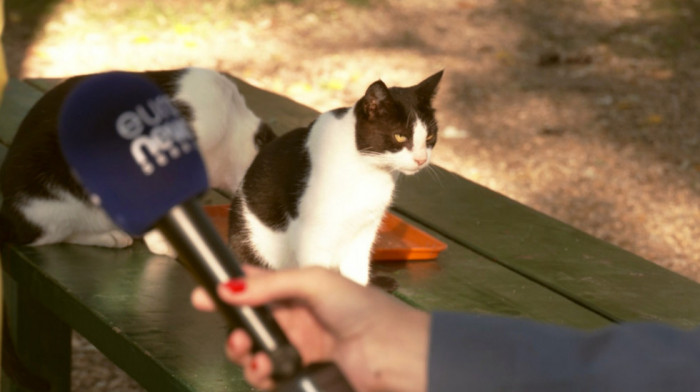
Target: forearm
[(493, 353), (397, 360)]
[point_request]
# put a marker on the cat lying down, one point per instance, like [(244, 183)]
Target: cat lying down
[(314, 196), (44, 204)]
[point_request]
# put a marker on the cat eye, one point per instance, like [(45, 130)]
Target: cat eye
[(399, 138), (430, 137)]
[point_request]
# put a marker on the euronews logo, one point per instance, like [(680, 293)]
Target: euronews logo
[(169, 138)]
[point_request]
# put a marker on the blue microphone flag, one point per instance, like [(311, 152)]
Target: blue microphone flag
[(129, 146)]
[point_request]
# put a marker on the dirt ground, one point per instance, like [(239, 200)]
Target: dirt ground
[(582, 109)]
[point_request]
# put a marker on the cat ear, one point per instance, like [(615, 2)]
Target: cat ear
[(375, 100), (427, 88)]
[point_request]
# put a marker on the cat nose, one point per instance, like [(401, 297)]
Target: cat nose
[(420, 161)]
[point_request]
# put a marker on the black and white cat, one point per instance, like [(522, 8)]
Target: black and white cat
[(44, 204), (316, 195)]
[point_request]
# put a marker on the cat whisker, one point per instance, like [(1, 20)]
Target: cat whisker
[(435, 175)]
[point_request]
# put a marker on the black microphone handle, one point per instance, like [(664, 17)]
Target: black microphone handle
[(199, 246), (190, 231)]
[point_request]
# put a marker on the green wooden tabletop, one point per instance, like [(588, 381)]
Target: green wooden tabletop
[(502, 258), (20, 97), (596, 275)]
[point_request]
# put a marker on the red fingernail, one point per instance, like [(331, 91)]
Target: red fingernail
[(235, 285)]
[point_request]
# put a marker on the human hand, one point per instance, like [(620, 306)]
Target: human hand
[(380, 343)]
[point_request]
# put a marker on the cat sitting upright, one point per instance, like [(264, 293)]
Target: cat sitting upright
[(44, 204), (316, 195)]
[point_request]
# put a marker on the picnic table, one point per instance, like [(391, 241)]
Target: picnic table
[(502, 258)]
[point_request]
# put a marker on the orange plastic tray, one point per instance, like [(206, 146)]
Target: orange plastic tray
[(396, 241)]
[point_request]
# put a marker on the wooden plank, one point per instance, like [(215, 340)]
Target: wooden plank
[(281, 113), (134, 307), (615, 283), (461, 280), (43, 84), (18, 99)]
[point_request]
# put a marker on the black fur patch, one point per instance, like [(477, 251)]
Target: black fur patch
[(379, 118), (15, 229), (382, 113), (277, 178), (242, 249), (340, 112), (34, 164), (263, 135), (168, 82)]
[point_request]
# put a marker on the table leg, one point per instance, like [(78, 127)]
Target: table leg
[(41, 340)]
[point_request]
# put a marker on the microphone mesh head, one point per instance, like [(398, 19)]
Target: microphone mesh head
[(128, 145)]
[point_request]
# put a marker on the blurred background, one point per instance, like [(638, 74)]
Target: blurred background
[(585, 110)]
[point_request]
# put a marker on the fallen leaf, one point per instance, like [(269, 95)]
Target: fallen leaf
[(182, 29), (334, 84), (624, 105), (504, 56), (662, 74), (142, 39), (300, 87), (549, 58), (465, 5), (654, 119), (551, 131)]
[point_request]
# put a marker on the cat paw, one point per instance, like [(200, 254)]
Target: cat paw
[(121, 239), (156, 243), (109, 239)]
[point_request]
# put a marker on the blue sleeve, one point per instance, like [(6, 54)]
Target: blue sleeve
[(488, 353)]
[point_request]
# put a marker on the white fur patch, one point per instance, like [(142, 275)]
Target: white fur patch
[(224, 125), (420, 151), (340, 211), (412, 161), (271, 245), (67, 219)]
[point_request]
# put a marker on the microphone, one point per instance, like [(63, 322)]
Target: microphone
[(138, 159)]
